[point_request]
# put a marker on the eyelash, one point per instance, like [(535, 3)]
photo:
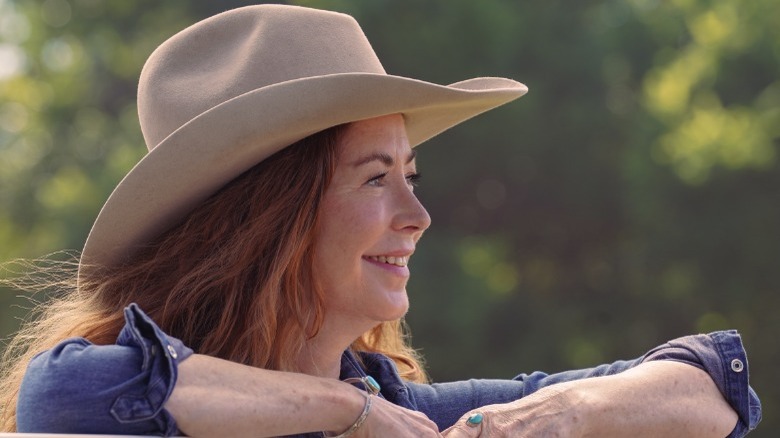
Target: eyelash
[(412, 179)]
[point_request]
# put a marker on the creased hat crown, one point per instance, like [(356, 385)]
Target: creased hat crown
[(243, 50)]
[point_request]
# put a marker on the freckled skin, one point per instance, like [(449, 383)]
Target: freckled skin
[(654, 399), (368, 210)]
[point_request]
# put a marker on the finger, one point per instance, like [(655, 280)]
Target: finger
[(423, 419), (460, 430), (469, 425), (391, 420), (416, 417), (426, 424)]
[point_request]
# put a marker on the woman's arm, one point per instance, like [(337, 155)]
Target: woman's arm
[(719, 355), (214, 397), (659, 398), (152, 384), (82, 388)]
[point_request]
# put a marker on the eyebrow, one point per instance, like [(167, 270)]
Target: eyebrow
[(384, 158)]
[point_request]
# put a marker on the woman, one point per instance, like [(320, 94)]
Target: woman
[(269, 230)]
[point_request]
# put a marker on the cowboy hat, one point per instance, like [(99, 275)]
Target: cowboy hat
[(229, 91)]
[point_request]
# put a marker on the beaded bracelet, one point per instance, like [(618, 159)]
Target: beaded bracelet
[(372, 388)]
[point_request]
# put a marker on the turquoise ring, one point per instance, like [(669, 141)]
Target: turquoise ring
[(475, 419)]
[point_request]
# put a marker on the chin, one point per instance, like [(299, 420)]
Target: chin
[(396, 307)]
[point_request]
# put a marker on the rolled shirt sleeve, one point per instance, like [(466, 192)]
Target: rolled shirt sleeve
[(78, 387), (722, 356)]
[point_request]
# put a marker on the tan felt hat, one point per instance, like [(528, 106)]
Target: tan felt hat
[(227, 92)]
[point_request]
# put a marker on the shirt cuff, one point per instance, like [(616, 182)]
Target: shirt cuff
[(161, 356), (722, 355)]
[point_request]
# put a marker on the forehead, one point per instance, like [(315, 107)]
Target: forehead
[(381, 134)]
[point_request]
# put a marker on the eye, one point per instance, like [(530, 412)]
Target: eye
[(413, 179), (377, 181)]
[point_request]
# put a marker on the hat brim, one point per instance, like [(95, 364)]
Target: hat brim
[(212, 149)]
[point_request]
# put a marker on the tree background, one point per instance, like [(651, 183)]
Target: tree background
[(631, 197)]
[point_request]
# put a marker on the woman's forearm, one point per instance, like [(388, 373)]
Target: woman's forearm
[(658, 398), (214, 397)]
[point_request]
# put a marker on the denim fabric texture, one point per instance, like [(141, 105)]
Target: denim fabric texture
[(78, 387)]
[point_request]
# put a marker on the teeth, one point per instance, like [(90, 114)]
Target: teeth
[(398, 261)]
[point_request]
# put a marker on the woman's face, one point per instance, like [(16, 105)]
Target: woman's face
[(369, 225)]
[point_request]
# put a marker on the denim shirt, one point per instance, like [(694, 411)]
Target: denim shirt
[(78, 387)]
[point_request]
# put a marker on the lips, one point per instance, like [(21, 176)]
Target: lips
[(390, 260)]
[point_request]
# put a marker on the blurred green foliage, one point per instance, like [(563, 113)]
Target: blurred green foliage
[(631, 197)]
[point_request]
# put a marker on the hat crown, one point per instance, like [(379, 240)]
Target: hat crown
[(242, 50)]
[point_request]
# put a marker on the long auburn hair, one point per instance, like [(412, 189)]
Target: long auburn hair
[(233, 280)]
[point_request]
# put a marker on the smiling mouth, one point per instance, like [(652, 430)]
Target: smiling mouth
[(397, 261)]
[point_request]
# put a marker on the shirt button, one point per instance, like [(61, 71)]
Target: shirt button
[(737, 366), (174, 355)]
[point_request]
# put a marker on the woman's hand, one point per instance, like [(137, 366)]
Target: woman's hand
[(386, 420), (549, 412)]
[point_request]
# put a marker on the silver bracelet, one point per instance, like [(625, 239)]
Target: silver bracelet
[(372, 388), (359, 422)]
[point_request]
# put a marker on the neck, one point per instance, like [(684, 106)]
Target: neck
[(321, 356)]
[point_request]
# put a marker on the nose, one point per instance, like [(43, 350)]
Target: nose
[(411, 216)]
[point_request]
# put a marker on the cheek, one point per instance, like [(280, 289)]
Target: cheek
[(342, 238), (353, 224)]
